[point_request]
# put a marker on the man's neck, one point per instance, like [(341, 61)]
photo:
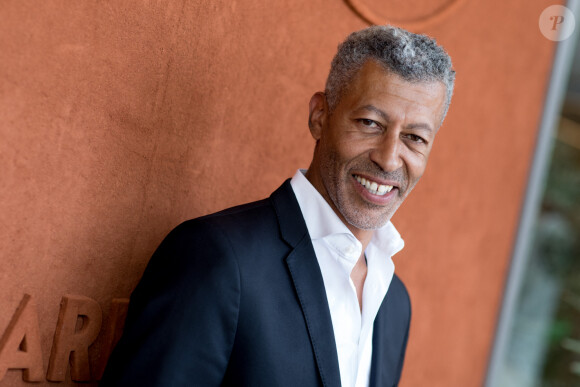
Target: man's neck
[(358, 276)]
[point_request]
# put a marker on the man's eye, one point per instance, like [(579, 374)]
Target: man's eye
[(368, 123), (415, 138)]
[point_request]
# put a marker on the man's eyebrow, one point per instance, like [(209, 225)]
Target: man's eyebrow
[(378, 111), (419, 125), (385, 116)]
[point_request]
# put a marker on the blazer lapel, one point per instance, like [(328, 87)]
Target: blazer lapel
[(390, 334), (308, 283), (380, 376)]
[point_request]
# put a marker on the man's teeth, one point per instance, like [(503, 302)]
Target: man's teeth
[(373, 187)]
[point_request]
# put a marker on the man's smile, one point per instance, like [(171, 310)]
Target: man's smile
[(375, 191), (373, 187)]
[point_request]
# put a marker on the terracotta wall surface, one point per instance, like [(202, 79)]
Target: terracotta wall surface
[(120, 119)]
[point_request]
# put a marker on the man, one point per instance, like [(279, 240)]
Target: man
[(299, 289)]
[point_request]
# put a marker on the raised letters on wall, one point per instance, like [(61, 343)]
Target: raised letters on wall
[(79, 324)]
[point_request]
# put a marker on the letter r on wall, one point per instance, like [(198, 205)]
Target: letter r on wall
[(72, 343)]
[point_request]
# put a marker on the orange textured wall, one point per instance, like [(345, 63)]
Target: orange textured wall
[(118, 120)]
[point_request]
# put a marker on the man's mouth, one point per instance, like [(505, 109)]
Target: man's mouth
[(374, 187)]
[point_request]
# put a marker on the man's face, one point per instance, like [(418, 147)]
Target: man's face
[(373, 148)]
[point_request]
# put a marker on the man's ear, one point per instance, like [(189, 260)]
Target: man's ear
[(318, 114)]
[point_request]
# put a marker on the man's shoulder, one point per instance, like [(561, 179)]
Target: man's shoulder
[(241, 217), (253, 220), (246, 210), (246, 233)]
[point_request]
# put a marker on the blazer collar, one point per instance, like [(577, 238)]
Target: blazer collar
[(308, 283), (292, 225)]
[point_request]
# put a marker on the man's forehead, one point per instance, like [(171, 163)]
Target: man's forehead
[(373, 71), (374, 79)]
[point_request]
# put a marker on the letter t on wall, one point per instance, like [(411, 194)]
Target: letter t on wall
[(20, 344), (73, 344)]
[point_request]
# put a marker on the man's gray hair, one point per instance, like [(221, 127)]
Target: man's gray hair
[(414, 57)]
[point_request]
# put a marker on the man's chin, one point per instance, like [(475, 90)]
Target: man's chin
[(368, 222)]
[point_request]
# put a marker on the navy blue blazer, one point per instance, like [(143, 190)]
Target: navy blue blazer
[(236, 298)]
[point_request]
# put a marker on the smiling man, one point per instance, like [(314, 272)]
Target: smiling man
[(299, 289)]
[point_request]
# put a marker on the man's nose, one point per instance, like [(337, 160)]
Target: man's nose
[(387, 153)]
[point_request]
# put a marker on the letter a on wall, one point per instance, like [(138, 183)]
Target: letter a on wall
[(20, 344)]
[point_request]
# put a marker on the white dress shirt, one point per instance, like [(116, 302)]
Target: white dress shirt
[(337, 251)]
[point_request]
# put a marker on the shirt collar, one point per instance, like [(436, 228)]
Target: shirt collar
[(321, 220)]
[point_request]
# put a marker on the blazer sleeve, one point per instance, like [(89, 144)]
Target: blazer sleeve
[(182, 316)]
